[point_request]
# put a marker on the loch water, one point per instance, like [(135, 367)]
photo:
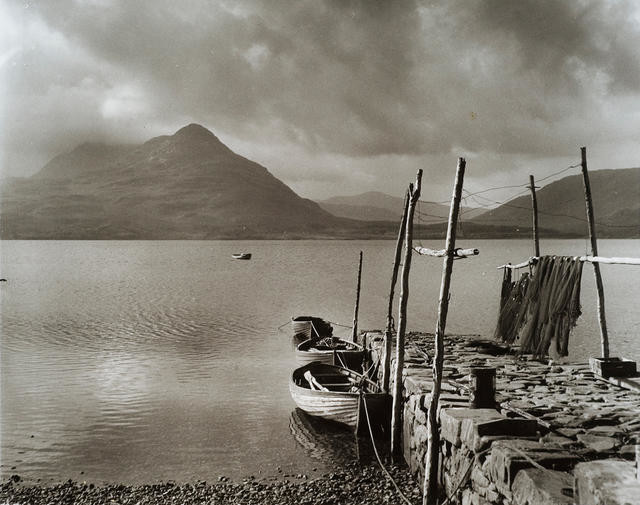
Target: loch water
[(146, 361)]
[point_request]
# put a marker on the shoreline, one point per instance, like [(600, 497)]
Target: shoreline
[(355, 484)]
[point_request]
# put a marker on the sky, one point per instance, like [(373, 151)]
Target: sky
[(333, 97)]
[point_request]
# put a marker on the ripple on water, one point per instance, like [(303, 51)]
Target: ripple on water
[(138, 361)]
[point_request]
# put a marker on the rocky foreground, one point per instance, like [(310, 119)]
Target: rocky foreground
[(354, 485)]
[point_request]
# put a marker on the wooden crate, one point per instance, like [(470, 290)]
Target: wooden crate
[(613, 367)]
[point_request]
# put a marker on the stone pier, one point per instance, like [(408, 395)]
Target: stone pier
[(576, 447)]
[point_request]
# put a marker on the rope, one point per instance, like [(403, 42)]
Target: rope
[(283, 325), (371, 367), (338, 324), (375, 450), (340, 360), (530, 460)]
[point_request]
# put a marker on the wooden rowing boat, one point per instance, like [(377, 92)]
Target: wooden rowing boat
[(334, 393), (241, 256), (331, 350), (306, 327)]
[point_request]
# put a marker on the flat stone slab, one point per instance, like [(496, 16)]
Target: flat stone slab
[(508, 457), (606, 482), (597, 443), (534, 486), (452, 420)]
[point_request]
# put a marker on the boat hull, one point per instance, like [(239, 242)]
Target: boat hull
[(306, 327), (338, 406), (349, 358)]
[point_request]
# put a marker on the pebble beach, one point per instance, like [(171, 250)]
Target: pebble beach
[(353, 485)]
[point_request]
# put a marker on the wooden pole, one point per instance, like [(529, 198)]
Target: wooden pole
[(396, 411), (430, 488), (534, 205), (354, 332), (386, 367), (604, 336)]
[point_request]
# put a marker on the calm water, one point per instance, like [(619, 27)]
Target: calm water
[(146, 361)]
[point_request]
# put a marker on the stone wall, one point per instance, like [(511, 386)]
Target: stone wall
[(579, 449)]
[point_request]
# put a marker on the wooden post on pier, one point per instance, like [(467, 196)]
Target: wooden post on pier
[(534, 205), (604, 336), (388, 334), (396, 411), (430, 487), (354, 331)]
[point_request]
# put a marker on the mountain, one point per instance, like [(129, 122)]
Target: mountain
[(186, 185), (191, 186), (561, 206), (376, 206)]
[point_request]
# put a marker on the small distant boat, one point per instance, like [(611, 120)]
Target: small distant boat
[(334, 393), (241, 256), (331, 350)]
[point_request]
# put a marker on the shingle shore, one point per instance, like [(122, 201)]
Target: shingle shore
[(354, 485)]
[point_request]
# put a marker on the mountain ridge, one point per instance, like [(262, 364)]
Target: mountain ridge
[(561, 205), (190, 185), (378, 206), (185, 185)]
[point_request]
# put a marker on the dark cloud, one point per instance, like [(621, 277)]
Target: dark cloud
[(360, 84)]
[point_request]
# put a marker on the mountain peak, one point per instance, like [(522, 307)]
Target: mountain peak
[(194, 131)]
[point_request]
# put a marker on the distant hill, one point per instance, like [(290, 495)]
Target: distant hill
[(187, 185), (561, 206), (377, 206), (191, 186)]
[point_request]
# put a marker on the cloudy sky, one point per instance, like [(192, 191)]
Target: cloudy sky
[(333, 97)]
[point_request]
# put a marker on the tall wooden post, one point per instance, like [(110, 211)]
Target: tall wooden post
[(604, 336), (430, 487), (354, 331), (386, 366), (396, 411), (534, 205)]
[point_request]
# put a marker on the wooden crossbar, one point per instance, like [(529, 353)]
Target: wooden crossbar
[(457, 253), (589, 259)]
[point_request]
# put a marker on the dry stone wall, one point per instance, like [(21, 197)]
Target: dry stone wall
[(582, 449)]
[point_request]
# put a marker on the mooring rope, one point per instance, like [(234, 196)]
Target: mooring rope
[(342, 364), (371, 367), (283, 325), (338, 324), (375, 450)]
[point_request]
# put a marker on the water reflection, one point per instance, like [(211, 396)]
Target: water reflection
[(143, 361), (329, 441), (321, 439)]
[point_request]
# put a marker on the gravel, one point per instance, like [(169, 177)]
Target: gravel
[(355, 484)]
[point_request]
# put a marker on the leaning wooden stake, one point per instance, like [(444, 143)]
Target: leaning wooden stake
[(396, 411), (430, 488), (354, 332), (604, 336), (388, 334), (534, 205)]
